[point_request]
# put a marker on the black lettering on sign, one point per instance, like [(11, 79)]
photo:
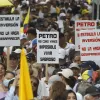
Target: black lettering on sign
[(39, 41), (47, 59), (47, 46), (9, 25), (15, 33), (47, 35), (47, 52), (1, 33), (45, 41), (6, 33), (9, 38), (6, 18), (53, 41), (17, 18)]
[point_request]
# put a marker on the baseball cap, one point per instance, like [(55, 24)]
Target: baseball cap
[(66, 73), (85, 11), (84, 65), (18, 51), (62, 14), (23, 36), (62, 53), (74, 65), (92, 90)]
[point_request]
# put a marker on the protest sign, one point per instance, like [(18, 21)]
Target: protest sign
[(9, 30), (82, 25), (47, 47), (90, 45)]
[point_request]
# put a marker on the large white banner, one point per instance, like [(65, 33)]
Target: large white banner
[(9, 30), (82, 25), (90, 45), (48, 47)]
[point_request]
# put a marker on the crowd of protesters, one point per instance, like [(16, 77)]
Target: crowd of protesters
[(71, 79)]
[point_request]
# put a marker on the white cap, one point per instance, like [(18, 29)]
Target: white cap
[(23, 36), (62, 14), (19, 51), (74, 65), (62, 53), (54, 78), (66, 73)]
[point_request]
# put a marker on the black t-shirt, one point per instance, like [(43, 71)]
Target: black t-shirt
[(1, 50)]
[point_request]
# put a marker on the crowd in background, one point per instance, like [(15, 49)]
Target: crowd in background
[(71, 79)]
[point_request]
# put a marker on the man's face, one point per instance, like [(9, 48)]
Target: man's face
[(29, 36), (76, 71), (68, 16), (13, 63), (23, 41), (77, 60), (89, 98), (62, 40)]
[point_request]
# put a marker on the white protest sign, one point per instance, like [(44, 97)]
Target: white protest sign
[(9, 30), (48, 47), (90, 45), (82, 25)]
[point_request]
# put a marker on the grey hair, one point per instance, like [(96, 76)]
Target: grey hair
[(82, 86)]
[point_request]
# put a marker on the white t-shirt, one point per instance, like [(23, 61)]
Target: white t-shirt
[(43, 89), (68, 47), (52, 10)]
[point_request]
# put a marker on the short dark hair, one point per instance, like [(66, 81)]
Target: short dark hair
[(71, 81), (14, 56), (66, 92), (32, 31)]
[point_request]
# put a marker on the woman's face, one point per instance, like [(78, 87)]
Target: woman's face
[(34, 84), (2, 70), (71, 96)]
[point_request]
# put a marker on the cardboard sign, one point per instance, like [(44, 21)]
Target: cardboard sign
[(9, 30), (82, 25), (90, 45), (48, 47)]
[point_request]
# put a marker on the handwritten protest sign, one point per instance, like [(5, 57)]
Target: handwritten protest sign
[(82, 25), (48, 47), (90, 45), (9, 30)]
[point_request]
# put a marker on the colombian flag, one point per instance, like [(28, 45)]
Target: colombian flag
[(25, 87), (26, 21)]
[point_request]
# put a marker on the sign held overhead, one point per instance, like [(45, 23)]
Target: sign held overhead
[(48, 47), (9, 30), (82, 25), (90, 45)]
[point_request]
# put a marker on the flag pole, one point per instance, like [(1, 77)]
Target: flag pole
[(46, 73), (8, 54)]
